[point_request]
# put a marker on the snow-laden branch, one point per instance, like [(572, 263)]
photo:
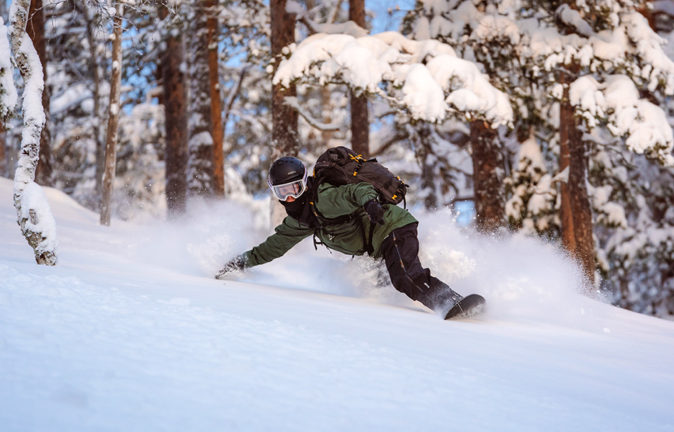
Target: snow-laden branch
[(642, 124), (424, 77), (630, 45), (34, 216)]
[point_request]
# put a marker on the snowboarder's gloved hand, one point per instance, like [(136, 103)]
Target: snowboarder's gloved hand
[(374, 211), (236, 264)]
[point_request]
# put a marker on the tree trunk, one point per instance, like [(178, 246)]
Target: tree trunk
[(113, 117), (567, 129), (4, 169), (488, 171), (175, 113), (96, 118), (200, 143), (35, 30), (33, 213), (576, 212), (284, 118), (360, 122), (216, 102)]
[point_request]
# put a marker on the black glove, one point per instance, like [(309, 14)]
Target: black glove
[(374, 211), (236, 264)]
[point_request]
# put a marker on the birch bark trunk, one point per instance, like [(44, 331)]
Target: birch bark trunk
[(35, 31), (33, 213)]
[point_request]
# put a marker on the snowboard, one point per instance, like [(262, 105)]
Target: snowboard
[(467, 307)]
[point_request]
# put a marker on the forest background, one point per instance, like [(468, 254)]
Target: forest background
[(553, 119)]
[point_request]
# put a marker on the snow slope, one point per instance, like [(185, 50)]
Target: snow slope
[(130, 332)]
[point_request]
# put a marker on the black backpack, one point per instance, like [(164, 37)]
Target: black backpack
[(340, 165)]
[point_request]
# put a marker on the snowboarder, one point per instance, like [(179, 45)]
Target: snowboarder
[(355, 212)]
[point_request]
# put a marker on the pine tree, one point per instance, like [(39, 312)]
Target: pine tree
[(200, 143), (532, 207), (284, 118), (215, 98), (175, 108), (360, 122)]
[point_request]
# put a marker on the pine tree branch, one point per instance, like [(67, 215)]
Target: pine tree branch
[(325, 127)]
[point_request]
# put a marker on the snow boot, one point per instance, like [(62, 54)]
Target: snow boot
[(440, 298)]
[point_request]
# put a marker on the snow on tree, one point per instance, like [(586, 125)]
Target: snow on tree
[(486, 34), (643, 124), (491, 43), (618, 56), (34, 216), (425, 78), (531, 207), (561, 62), (36, 32)]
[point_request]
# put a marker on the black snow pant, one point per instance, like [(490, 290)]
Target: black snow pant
[(401, 254)]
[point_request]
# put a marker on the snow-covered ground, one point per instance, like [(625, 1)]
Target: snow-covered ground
[(130, 332)]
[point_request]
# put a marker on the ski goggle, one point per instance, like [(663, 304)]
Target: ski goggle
[(293, 189)]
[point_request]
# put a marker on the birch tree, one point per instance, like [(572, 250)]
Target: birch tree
[(36, 32), (34, 216), (113, 116)]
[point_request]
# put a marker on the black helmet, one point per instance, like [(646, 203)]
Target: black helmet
[(285, 170), (287, 177)]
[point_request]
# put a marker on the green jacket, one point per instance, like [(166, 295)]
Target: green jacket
[(348, 237)]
